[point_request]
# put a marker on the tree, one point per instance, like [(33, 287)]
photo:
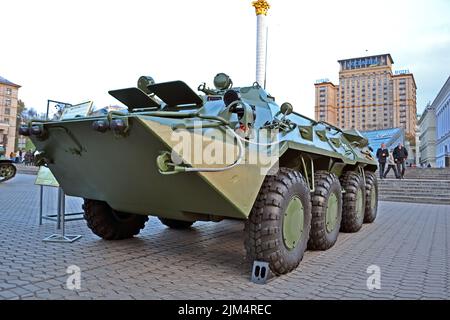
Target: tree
[(30, 114), (24, 115), (19, 119)]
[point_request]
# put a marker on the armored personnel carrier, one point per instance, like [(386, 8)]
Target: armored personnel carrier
[(226, 153), (7, 168)]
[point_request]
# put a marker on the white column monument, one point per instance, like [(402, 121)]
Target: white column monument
[(261, 8)]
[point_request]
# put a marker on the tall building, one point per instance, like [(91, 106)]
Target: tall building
[(442, 107), (8, 114), (427, 125), (369, 97)]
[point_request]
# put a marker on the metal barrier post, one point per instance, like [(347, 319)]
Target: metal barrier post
[(41, 204)]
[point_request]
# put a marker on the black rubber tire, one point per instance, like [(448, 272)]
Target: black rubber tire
[(264, 228), (352, 182), (371, 184), (326, 183), (176, 224), (110, 224)]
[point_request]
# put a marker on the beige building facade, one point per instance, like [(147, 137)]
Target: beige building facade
[(8, 114), (369, 96)]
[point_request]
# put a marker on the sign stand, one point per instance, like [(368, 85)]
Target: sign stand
[(61, 222), (46, 178), (75, 216), (260, 272)]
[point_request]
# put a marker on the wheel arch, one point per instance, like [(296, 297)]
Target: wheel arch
[(307, 163)]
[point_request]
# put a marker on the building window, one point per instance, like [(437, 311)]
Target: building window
[(8, 91), (7, 111), (8, 102), (6, 120)]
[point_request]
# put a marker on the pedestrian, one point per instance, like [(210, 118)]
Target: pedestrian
[(429, 165), (27, 158), (400, 156), (391, 164), (382, 155)]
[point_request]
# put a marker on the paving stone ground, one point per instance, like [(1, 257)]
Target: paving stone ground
[(410, 243)]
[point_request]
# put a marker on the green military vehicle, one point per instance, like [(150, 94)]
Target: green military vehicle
[(227, 153), (7, 168)]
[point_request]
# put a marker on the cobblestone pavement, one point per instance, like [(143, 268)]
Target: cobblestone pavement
[(409, 242)]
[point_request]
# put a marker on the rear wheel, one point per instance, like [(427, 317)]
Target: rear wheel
[(326, 211), (371, 197), (176, 224), (354, 199), (278, 227), (110, 224)]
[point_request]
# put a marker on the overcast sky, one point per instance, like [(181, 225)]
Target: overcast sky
[(78, 50)]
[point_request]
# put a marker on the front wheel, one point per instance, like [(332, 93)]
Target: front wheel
[(110, 224), (277, 230)]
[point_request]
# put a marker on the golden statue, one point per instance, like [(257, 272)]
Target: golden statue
[(261, 7)]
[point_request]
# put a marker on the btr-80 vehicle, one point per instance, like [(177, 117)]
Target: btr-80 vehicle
[(230, 152), (7, 168)]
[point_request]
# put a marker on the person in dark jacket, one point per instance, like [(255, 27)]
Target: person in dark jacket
[(382, 155), (400, 156)]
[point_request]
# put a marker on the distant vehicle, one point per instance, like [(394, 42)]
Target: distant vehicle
[(317, 180)]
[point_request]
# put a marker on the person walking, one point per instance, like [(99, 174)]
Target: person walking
[(391, 165), (400, 156), (382, 155)]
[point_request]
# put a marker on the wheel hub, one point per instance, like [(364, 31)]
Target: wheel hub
[(6, 171), (293, 223), (332, 213)]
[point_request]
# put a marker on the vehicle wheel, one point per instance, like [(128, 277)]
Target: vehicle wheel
[(7, 171), (176, 224), (326, 211), (371, 197), (110, 224), (353, 201), (277, 230)]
